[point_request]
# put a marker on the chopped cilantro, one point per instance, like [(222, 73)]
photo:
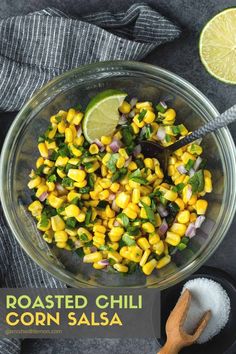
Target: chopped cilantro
[(197, 181), (189, 164), (52, 178), (136, 176), (124, 219), (71, 222), (67, 182), (142, 115), (111, 164), (102, 204), (128, 240), (88, 216), (150, 213)]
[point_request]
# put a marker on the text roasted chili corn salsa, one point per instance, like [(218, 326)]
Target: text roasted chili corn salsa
[(109, 203)]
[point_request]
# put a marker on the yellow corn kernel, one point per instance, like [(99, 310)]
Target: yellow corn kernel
[(116, 256), (183, 216), (99, 228), (120, 162), (72, 211), (114, 187), (105, 183), (60, 173), (171, 195), (76, 175), (169, 114), (76, 152), (61, 161), (122, 200), (77, 118), (136, 196), (113, 245), (57, 223), (54, 201), (148, 162), (106, 140), (39, 162), (48, 236), (81, 184), (172, 238), (144, 105), (193, 217), (72, 234), (35, 182), (124, 252), (41, 189), (109, 212), (146, 200), (92, 169), (110, 223), (70, 115), (61, 127), (137, 122), (143, 243), (123, 153), (68, 135), (201, 206), (153, 238), (82, 230), (207, 173), (61, 244), (163, 262), (130, 213), (35, 208), (135, 253), (149, 266), (81, 217), (60, 236), (144, 258), (135, 128), (116, 233), (125, 107), (179, 229), (86, 250), (93, 195), (79, 140), (103, 195), (97, 265), (92, 257), (193, 199), (148, 227), (143, 213), (208, 185), (121, 268), (43, 227), (159, 247), (180, 203), (171, 170), (149, 117), (187, 156), (104, 171), (93, 149), (43, 150), (159, 172), (132, 166), (72, 195)]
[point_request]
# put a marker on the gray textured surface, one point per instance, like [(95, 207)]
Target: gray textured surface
[(180, 57)]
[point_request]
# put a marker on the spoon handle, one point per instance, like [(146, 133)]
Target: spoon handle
[(229, 116)]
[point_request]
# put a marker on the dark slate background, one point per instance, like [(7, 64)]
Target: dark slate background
[(182, 58)]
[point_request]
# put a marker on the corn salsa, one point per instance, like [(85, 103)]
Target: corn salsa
[(109, 203)]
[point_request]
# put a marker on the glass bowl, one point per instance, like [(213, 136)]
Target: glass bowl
[(147, 82)]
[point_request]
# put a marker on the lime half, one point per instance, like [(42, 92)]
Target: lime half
[(102, 115), (218, 46)]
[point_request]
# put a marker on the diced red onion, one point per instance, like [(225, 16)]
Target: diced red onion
[(127, 162), (200, 219), (197, 163), (81, 167), (162, 210), (123, 119), (132, 113), (93, 249), (137, 150), (112, 196), (133, 102), (104, 262), (191, 172), (99, 144), (191, 230), (115, 145), (79, 131), (163, 104), (43, 196), (189, 192), (114, 206), (182, 170), (116, 223), (163, 227), (161, 133)]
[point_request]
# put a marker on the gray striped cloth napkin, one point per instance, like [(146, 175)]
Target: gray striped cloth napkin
[(35, 48)]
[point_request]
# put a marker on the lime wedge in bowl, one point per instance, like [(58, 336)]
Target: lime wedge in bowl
[(102, 115), (217, 46)]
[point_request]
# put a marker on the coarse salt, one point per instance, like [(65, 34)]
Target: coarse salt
[(206, 295)]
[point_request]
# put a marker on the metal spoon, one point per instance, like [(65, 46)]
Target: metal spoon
[(154, 149)]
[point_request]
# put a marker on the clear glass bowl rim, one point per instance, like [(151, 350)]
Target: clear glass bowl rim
[(113, 66)]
